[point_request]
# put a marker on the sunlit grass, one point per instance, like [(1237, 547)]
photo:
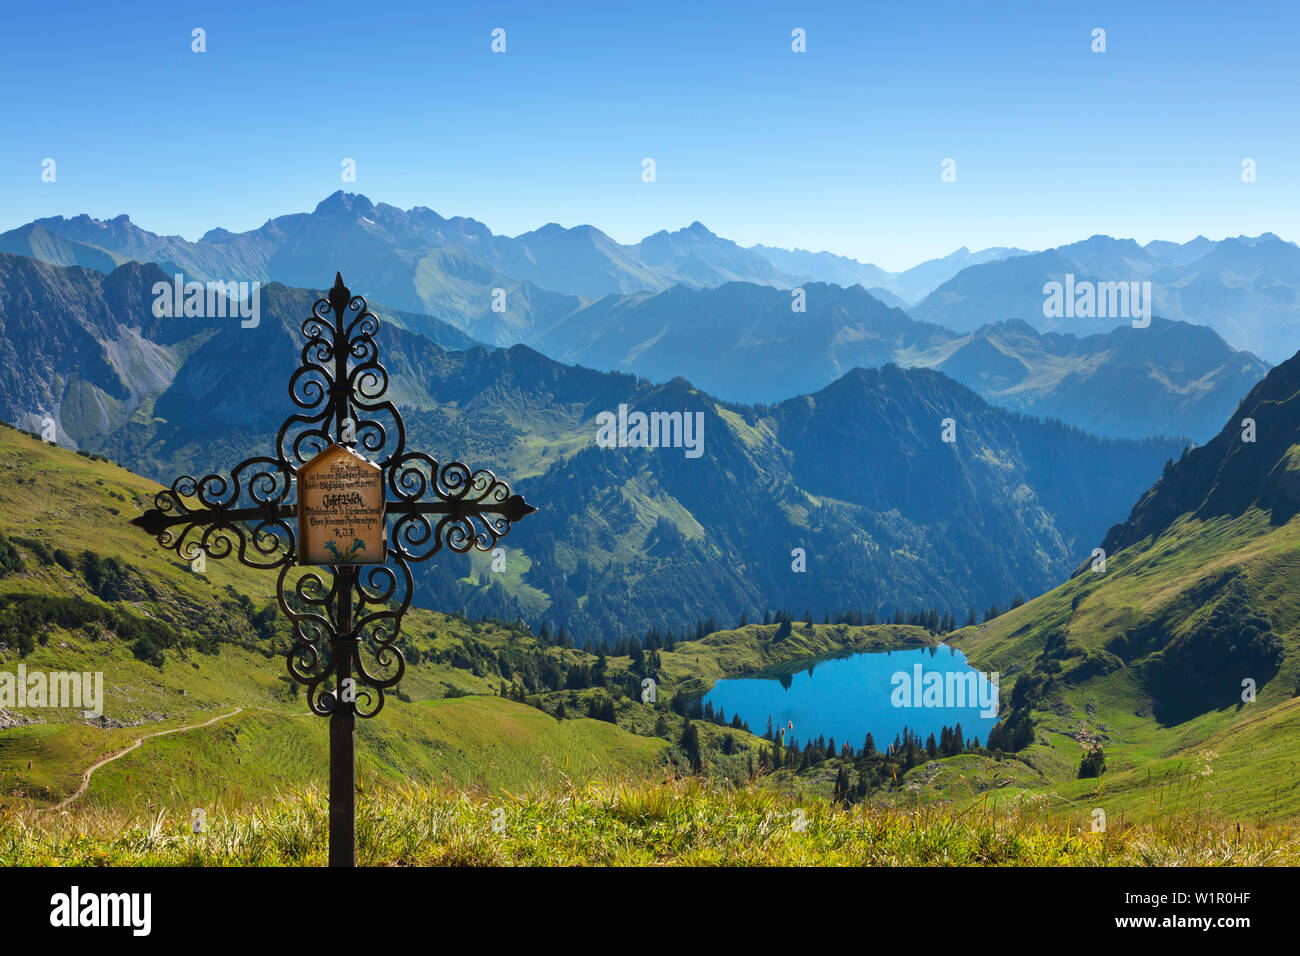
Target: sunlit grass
[(675, 822)]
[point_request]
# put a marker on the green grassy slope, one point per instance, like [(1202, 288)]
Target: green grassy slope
[(432, 731), (468, 741), (1182, 655), (448, 727), (1235, 758)]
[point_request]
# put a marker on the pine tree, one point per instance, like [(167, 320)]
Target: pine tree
[(841, 786), (690, 743)]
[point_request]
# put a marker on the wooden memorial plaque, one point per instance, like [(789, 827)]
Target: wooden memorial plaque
[(341, 509)]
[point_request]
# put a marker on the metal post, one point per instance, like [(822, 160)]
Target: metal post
[(343, 722)]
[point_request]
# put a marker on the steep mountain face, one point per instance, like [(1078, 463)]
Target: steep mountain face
[(857, 474), (1247, 290), (857, 477), (1180, 642), (82, 349), (911, 285), (85, 350), (1252, 463), (845, 498)]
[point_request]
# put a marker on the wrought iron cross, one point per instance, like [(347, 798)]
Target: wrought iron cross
[(340, 385)]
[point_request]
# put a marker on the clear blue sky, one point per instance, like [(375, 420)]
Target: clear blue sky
[(837, 148)]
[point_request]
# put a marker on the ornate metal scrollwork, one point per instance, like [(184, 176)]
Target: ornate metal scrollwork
[(345, 619)]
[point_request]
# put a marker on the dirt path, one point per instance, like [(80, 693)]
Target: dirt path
[(85, 777)]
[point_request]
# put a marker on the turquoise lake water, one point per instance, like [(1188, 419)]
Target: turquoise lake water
[(847, 697)]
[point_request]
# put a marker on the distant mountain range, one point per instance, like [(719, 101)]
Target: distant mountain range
[(690, 303), (351, 231), (893, 288), (1170, 379), (856, 474), (1246, 289), (742, 342), (578, 261)]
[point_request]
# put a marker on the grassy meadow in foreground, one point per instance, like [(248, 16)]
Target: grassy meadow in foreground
[(674, 822)]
